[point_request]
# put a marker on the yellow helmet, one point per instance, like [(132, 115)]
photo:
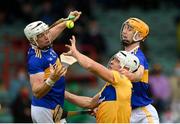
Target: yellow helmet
[(139, 26)]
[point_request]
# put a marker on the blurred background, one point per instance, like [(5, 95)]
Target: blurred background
[(97, 33)]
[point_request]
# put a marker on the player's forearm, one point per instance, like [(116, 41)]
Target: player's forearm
[(57, 30), (82, 101), (137, 76), (94, 67), (41, 90), (86, 62)]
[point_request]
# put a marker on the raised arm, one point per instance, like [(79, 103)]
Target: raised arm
[(82, 101), (88, 63), (59, 27)]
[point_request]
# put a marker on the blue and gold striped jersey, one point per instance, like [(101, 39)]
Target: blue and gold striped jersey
[(141, 89), (39, 61), (115, 101)]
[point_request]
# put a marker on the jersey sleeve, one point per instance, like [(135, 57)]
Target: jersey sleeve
[(118, 78), (35, 65)]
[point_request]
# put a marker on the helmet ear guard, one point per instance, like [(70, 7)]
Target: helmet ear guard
[(138, 37), (33, 41)]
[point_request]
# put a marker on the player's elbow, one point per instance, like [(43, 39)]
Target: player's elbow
[(138, 75), (135, 78), (38, 95)]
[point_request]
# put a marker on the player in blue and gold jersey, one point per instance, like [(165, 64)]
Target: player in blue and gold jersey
[(114, 100), (133, 32), (45, 69)]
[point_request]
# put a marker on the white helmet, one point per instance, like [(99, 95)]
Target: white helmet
[(33, 29), (127, 60)]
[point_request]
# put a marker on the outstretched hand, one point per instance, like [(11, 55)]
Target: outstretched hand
[(76, 14), (72, 48)]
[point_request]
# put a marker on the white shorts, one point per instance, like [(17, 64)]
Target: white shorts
[(146, 114), (42, 115)]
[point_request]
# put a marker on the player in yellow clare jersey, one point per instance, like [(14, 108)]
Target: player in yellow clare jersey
[(114, 100)]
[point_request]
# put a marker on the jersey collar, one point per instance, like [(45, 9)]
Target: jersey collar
[(134, 50)]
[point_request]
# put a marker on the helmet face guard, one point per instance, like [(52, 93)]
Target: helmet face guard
[(141, 30), (127, 60), (33, 29)]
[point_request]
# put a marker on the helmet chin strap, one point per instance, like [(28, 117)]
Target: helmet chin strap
[(127, 43), (44, 48)]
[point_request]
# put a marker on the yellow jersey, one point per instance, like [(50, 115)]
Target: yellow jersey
[(115, 101)]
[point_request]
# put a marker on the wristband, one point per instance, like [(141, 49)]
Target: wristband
[(49, 82)]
